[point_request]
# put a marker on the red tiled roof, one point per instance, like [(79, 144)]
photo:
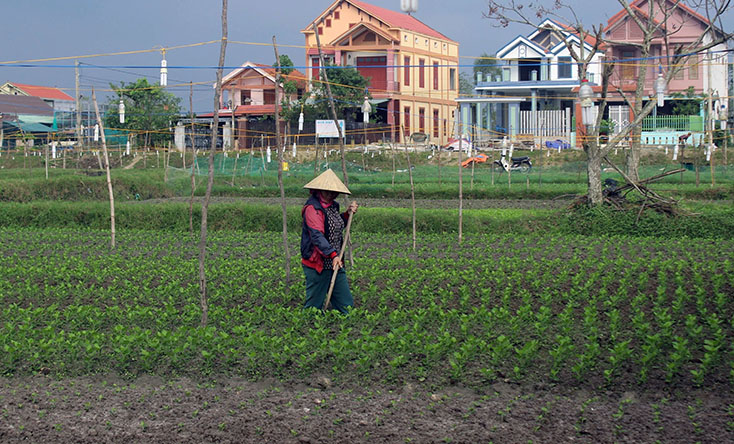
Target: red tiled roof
[(590, 39), (255, 110), (295, 75), (398, 19), (635, 6), (241, 110), (44, 92)]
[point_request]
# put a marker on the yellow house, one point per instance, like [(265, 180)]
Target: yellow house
[(413, 69)]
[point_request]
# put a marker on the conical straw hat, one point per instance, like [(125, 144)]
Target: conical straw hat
[(328, 181)]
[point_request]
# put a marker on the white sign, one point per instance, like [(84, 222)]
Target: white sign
[(327, 129)]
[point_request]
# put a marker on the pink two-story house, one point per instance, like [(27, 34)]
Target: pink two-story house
[(706, 72)]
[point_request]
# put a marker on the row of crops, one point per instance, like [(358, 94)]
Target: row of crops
[(570, 309)]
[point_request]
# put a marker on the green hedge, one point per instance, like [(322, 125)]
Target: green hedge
[(706, 222), (140, 185), (710, 221)]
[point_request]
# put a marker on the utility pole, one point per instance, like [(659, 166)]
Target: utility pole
[(78, 110)]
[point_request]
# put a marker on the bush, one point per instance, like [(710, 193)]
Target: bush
[(713, 221)]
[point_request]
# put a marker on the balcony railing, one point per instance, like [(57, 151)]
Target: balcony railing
[(672, 123)]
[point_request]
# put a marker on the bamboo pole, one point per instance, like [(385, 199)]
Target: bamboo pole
[(279, 146), (45, 152), (461, 178), (107, 167), (210, 181), (412, 191), (439, 165), (193, 157)]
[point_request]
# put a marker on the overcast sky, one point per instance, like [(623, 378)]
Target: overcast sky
[(38, 29)]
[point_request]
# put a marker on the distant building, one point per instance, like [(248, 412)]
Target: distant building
[(56, 98), (21, 116), (249, 91), (705, 72), (413, 69), (533, 98)]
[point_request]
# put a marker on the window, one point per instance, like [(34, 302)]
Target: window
[(336, 15), (564, 67), (421, 73), (269, 97), (321, 30), (629, 68), (693, 67), (452, 79), (406, 121), (328, 23), (422, 120), (315, 62), (436, 124), (435, 75), (245, 97), (406, 71)]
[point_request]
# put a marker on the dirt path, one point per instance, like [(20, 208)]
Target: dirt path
[(132, 164), (150, 409)]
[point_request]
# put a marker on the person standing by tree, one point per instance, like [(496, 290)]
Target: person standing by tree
[(321, 238)]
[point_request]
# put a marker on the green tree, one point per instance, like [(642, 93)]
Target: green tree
[(149, 110), (286, 64), (466, 84), (691, 106), (348, 88), (289, 109), (487, 65)]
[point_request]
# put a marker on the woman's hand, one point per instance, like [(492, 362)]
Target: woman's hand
[(353, 207), (337, 263)]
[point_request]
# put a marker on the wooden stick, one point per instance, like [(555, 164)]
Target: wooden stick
[(341, 255)]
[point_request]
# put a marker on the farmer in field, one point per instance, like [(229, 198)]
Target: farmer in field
[(321, 242)]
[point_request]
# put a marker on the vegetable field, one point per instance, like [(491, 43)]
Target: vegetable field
[(496, 315)]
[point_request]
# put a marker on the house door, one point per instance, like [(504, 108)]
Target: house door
[(375, 69), (620, 115)]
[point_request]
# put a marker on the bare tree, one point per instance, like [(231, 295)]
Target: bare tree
[(653, 24), (210, 182)]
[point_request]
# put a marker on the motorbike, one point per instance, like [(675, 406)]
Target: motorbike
[(522, 164)]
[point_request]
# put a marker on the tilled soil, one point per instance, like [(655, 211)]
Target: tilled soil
[(110, 409)]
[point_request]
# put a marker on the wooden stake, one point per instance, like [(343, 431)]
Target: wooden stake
[(279, 147), (210, 181), (439, 165), (107, 167), (45, 152), (412, 191), (461, 179)]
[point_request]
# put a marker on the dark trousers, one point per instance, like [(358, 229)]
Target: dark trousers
[(317, 285)]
